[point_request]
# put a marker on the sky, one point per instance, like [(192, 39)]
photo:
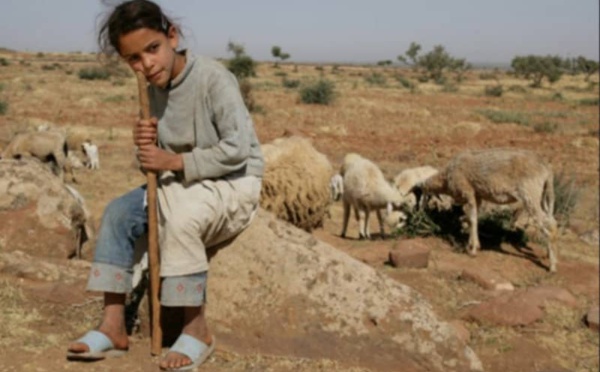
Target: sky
[(342, 31)]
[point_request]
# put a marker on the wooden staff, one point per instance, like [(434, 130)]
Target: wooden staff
[(153, 254)]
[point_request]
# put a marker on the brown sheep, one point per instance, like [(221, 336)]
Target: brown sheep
[(47, 146), (501, 176), (296, 182)]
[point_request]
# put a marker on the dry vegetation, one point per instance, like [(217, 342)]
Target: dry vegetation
[(379, 115)]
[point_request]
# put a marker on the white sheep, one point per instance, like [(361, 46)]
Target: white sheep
[(408, 178), (501, 176), (336, 186), (47, 146), (365, 190), (91, 152)]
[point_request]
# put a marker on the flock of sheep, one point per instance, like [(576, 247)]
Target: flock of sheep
[(49, 145), (298, 186), (500, 176)]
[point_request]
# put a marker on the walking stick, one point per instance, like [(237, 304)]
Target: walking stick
[(153, 255)]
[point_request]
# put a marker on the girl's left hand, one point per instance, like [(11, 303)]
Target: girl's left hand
[(153, 158)]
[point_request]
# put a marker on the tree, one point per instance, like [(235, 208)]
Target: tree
[(536, 68), (237, 49), (434, 63), (586, 66), (386, 62), (277, 53), (241, 65)]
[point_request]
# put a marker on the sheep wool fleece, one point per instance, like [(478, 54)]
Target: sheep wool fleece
[(202, 116)]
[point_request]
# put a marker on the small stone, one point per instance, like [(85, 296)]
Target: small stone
[(592, 318), (411, 253)]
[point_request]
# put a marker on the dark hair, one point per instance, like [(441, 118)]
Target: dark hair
[(130, 16)]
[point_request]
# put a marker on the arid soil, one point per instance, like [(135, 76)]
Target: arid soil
[(393, 126)]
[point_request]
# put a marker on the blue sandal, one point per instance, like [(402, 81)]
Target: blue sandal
[(100, 347), (194, 349)]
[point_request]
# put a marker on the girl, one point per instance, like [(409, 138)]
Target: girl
[(209, 168)]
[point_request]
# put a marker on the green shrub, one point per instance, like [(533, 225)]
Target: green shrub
[(545, 127), (4, 62), (487, 76), (94, 73), (290, 84), (242, 67), (321, 92), (406, 83), (566, 195), (449, 87), (517, 89), (557, 97), (493, 90), (589, 101), (375, 78), (3, 107), (495, 227), (499, 116)]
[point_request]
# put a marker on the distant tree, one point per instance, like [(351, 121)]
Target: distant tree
[(537, 68), (588, 67), (435, 63), (241, 65), (237, 49), (277, 53), (386, 62), (410, 56)]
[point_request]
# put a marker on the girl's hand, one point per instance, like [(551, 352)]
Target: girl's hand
[(152, 158), (144, 132)]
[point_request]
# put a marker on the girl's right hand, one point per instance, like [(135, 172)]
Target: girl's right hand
[(144, 132)]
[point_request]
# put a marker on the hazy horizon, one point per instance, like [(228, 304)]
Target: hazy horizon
[(334, 31)]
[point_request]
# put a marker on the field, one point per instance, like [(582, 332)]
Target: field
[(374, 114)]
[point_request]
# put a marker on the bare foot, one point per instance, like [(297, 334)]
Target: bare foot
[(174, 360), (116, 335)]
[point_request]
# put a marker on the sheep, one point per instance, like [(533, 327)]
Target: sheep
[(91, 152), (408, 178), (80, 221), (365, 190), (45, 145), (296, 182), (500, 176), (336, 186), (74, 160)]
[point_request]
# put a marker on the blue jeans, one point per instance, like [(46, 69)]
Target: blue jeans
[(124, 221)]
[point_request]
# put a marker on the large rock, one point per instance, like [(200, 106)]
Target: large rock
[(278, 290), (40, 215)]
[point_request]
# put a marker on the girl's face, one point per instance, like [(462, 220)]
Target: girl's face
[(152, 53)]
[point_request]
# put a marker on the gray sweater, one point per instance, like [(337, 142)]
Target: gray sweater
[(202, 116)]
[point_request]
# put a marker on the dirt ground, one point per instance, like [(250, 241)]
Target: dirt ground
[(391, 125)]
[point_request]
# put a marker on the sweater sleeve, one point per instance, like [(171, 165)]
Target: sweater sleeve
[(233, 125)]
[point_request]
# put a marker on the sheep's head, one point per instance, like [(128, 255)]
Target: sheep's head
[(336, 187), (395, 220)]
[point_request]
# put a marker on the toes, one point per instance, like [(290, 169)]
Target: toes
[(174, 360), (78, 347)]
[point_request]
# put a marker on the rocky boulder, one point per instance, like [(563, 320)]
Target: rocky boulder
[(278, 290), (40, 214)]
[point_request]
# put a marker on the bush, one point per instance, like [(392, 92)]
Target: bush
[(405, 82), (499, 116), (493, 90), (517, 89), (545, 127), (495, 227), (589, 101), (4, 62), (290, 84), (3, 107), (375, 78), (94, 73), (321, 92), (242, 67)]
